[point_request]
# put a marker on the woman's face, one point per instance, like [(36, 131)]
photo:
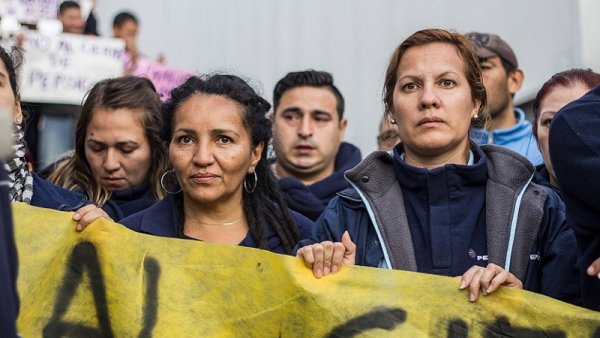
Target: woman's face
[(8, 101), (211, 151), (549, 106), (116, 148), (432, 101)]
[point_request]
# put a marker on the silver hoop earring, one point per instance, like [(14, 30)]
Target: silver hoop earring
[(246, 185), (162, 182)]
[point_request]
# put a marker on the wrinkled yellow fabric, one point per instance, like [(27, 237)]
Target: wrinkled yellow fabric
[(110, 281)]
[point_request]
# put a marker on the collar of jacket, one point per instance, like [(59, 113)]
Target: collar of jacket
[(513, 221), (521, 129)]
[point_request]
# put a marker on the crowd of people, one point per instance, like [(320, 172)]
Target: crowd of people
[(464, 185)]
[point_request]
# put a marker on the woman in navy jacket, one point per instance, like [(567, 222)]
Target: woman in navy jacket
[(439, 203), (118, 150), (221, 189)]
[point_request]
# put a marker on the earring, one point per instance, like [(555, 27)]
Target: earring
[(247, 185), (476, 116), (162, 182), (393, 121)]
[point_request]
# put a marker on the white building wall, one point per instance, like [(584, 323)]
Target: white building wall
[(352, 39)]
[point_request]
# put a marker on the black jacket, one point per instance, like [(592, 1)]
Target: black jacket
[(9, 302), (574, 145), (311, 200)]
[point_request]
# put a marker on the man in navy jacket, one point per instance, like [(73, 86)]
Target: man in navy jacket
[(308, 133), (575, 153)]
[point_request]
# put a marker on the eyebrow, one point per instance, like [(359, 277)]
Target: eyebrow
[(225, 131), (546, 112), (318, 112), (122, 143), (312, 112), (214, 131), (292, 110), (185, 130), (448, 73), (410, 76)]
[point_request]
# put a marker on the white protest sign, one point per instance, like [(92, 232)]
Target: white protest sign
[(62, 68), (29, 11)]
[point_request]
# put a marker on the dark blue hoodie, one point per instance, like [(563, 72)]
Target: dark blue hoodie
[(575, 151), (312, 200)]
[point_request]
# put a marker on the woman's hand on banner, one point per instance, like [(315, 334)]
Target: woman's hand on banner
[(327, 257), (84, 216), (487, 280)]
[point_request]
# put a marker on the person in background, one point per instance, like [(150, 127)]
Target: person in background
[(503, 78), (308, 133), (574, 147), (220, 187), (125, 26), (388, 134), (561, 89), (118, 150), (69, 14), (439, 203)]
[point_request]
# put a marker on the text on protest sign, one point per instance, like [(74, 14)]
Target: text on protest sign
[(29, 11), (62, 68)]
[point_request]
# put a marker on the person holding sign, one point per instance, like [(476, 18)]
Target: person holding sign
[(220, 187), (118, 150), (26, 186), (439, 203)]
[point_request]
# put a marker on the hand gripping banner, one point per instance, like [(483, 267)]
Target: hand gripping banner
[(108, 281)]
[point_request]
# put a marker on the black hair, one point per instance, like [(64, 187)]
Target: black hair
[(308, 78), (67, 5), (265, 205), (13, 61), (123, 17)]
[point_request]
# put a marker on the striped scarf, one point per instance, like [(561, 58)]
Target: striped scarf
[(20, 179)]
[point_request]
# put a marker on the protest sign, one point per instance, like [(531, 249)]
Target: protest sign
[(29, 11), (111, 282), (62, 68), (163, 77)]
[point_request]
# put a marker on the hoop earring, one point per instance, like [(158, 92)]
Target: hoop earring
[(162, 183), (250, 190)]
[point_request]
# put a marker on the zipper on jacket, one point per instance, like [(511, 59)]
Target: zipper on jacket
[(386, 256), (513, 225)]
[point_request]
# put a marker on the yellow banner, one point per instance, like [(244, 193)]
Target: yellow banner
[(111, 282)]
